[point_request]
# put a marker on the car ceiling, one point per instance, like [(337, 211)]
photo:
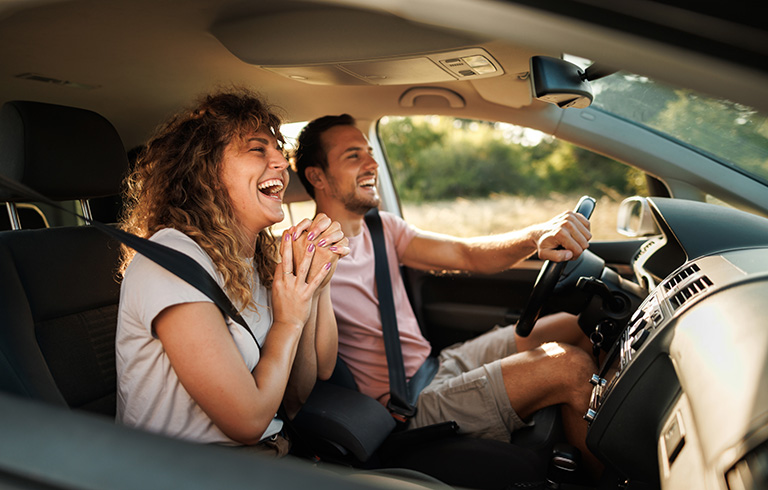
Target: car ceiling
[(137, 61)]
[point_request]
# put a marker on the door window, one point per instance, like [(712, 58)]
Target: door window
[(468, 177)]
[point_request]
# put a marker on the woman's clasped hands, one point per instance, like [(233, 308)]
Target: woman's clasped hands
[(310, 251)]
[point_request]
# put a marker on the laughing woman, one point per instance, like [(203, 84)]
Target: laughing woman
[(210, 184)]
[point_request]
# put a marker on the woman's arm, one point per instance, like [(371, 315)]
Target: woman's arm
[(327, 337), (210, 367), (318, 346), (304, 368), (316, 354)]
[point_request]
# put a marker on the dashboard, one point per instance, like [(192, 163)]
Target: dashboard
[(682, 397)]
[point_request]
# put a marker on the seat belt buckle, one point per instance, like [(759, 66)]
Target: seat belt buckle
[(399, 412)]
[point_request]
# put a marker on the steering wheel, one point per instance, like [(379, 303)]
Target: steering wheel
[(547, 279)]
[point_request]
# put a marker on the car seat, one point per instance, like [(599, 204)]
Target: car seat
[(58, 306)]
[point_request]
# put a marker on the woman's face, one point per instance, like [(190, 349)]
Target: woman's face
[(255, 174)]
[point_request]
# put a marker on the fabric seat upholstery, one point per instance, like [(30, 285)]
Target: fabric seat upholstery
[(59, 293)]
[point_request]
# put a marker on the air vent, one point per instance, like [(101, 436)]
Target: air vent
[(644, 248), (694, 288), (685, 285), (681, 276)]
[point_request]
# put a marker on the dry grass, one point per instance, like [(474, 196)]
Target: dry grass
[(497, 214)]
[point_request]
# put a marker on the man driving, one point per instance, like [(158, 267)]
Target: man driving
[(490, 384)]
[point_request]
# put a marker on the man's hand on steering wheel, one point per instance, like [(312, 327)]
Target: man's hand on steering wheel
[(566, 240), (564, 237)]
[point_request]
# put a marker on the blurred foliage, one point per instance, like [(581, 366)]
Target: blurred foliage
[(435, 158), (732, 133)]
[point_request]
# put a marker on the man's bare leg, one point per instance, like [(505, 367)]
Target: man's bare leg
[(558, 327), (554, 374)]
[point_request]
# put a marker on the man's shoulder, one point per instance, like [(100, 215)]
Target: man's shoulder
[(391, 219), (400, 232)]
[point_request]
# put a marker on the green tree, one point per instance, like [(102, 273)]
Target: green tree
[(720, 127), (436, 158)]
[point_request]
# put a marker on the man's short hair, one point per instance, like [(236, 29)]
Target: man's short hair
[(310, 151)]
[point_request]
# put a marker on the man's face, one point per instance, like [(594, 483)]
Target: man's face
[(352, 172)]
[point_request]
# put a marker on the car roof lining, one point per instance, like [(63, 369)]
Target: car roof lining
[(156, 77)]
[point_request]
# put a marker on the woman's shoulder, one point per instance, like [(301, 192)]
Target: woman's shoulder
[(180, 242), (177, 240)]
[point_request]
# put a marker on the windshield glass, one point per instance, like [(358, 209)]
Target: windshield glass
[(734, 134)]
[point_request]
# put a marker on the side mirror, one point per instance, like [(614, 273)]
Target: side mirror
[(635, 218), (560, 82)]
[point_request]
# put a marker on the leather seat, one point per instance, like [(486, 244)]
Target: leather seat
[(59, 296)]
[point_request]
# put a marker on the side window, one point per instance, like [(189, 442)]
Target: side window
[(296, 207), (467, 178)]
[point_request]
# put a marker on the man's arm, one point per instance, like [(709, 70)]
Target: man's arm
[(495, 253)]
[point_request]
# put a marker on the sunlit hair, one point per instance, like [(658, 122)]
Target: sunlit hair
[(310, 152), (176, 183)]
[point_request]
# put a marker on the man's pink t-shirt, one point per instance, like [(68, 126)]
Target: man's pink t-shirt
[(356, 304)]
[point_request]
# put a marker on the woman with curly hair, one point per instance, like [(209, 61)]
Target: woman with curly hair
[(210, 184)]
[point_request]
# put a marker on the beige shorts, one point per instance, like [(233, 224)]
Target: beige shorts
[(276, 446), (469, 389)]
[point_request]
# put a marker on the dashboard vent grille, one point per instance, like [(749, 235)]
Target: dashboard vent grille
[(644, 248), (686, 291), (681, 276)]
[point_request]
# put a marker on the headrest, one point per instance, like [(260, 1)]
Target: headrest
[(62, 152), (295, 191)]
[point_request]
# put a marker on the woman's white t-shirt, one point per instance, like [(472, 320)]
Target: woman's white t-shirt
[(149, 394)]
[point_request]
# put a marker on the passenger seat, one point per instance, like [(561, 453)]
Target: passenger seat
[(58, 287)]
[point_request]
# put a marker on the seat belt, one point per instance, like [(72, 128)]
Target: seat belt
[(174, 261), (402, 394)]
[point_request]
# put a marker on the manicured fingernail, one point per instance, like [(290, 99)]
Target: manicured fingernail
[(311, 236), (328, 266), (321, 243), (311, 247), (287, 237), (332, 249)]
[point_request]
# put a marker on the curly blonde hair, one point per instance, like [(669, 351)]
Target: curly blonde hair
[(176, 183)]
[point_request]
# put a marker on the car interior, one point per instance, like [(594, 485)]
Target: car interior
[(678, 400)]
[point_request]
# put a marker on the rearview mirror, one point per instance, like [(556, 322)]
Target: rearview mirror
[(635, 218), (559, 82)]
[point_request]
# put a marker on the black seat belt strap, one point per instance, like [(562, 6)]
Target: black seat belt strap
[(398, 389), (174, 261), (421, 378)]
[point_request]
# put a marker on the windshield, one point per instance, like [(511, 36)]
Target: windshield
[(732, 133)]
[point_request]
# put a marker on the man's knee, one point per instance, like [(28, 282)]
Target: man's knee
[(550, 374), (567, 365), (574, 368)]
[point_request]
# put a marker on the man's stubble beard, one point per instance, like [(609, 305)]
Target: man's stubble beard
[(352, 202), (358, 205)]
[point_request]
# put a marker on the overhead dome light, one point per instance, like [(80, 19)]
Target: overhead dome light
[(462, 64)]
